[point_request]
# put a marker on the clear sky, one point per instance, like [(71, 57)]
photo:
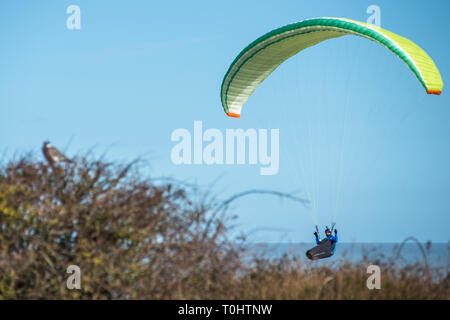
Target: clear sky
[(138, 70)]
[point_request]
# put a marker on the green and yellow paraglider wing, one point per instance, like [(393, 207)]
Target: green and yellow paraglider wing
[(266, 53)]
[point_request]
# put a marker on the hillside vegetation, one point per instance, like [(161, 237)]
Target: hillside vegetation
[(138, 238)]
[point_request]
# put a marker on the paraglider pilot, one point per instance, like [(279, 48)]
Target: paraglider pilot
[(328, 236)]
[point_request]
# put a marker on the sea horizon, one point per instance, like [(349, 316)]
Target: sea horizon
[(435, 254)]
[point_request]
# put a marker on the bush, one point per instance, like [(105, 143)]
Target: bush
[(130, 237)]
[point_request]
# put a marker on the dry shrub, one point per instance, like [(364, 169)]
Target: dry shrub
[(131, 238)]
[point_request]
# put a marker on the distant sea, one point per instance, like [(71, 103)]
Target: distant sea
[(435, 254)]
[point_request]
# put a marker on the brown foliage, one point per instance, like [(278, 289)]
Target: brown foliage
[(130, 237)]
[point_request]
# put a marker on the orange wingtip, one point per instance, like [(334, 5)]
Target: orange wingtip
[(234, 115), (438, 92)]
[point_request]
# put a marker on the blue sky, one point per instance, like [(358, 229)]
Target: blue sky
[(138, 70)]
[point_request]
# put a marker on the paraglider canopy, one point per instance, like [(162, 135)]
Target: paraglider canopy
[(260, 58)]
